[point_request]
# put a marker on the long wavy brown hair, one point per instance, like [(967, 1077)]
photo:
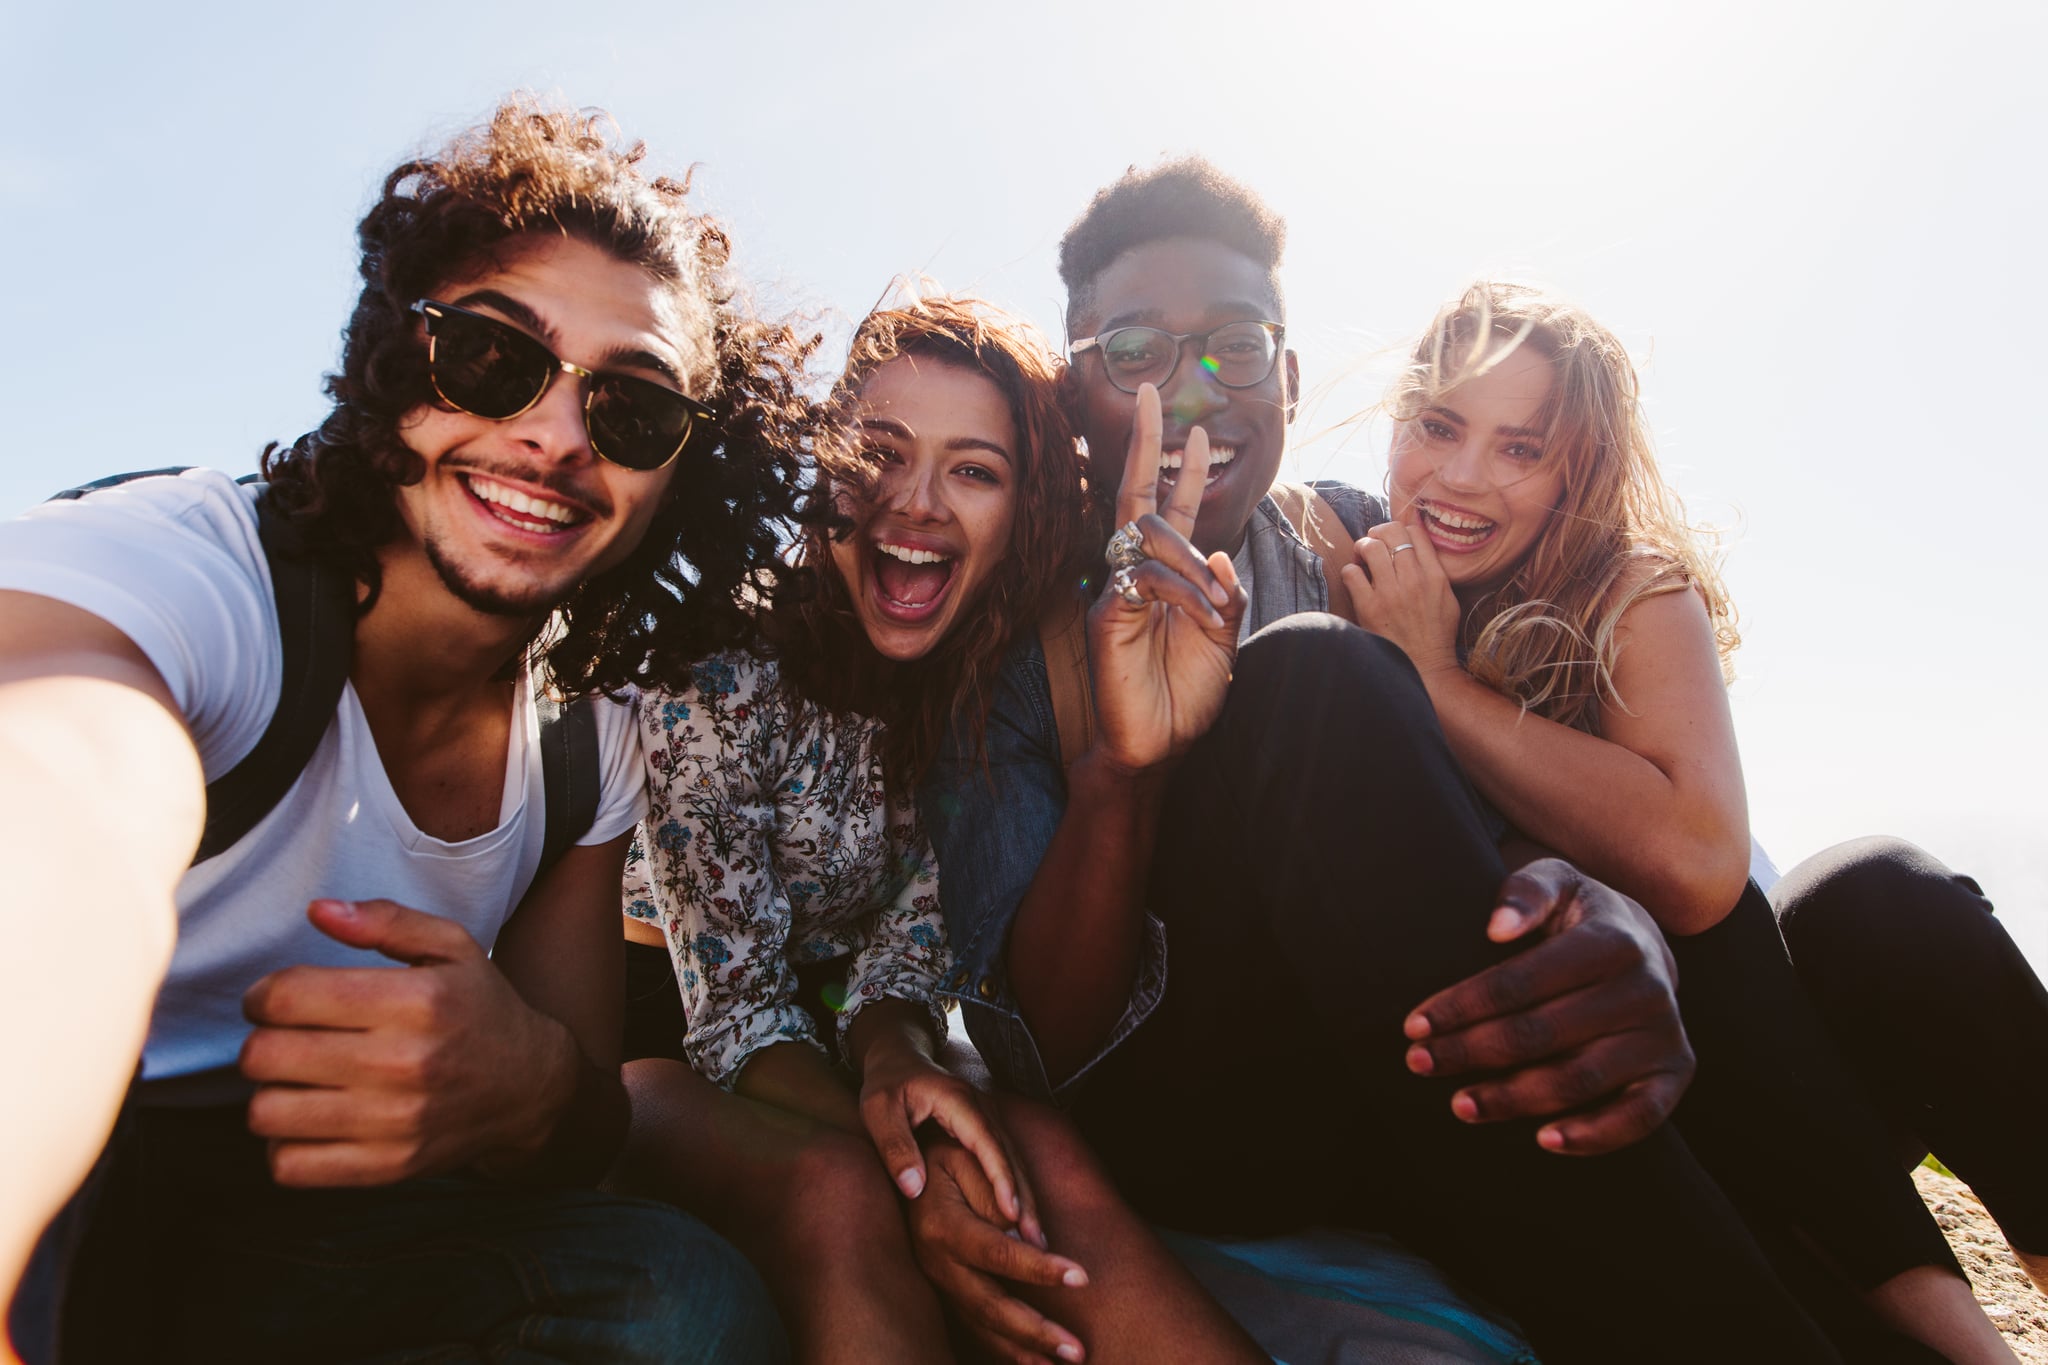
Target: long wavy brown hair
[(710, 557), (825, 655), (1546, 636)]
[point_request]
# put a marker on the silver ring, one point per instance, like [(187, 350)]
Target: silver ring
[(1125, 587), (1404, 545), (1126, 548)]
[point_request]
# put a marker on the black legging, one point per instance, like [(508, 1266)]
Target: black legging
[(1322, 868), (1777, 1117), (1937, 1012)]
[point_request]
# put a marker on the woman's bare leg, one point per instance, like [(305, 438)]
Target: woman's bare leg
[(810, 1206), (1140, 1303)]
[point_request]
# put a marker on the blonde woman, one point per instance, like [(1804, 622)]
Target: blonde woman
[(1575, 637)]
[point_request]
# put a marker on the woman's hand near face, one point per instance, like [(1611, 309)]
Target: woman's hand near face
[(1162, 665), (1399, 591)]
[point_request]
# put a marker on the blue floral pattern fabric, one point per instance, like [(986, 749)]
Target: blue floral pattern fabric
[(771, 842)]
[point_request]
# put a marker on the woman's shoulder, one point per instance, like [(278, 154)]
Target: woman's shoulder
[(1640, 572), (734, 684)]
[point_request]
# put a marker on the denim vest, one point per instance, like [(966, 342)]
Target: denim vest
[(992, 816)]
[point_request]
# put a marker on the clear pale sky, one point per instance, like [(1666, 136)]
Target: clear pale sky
[(1818, 227)]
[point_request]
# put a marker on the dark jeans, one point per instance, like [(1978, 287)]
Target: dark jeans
[(1939, 1014), (190, 1253), (1323, 867)]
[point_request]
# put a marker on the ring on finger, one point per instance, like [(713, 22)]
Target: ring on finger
[(1404, 545), (1126, 548), (1123, 585)]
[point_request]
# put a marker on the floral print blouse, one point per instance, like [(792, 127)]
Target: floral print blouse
[(769, 842)]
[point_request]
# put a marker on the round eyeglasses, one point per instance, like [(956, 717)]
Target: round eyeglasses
[(1237, 355)]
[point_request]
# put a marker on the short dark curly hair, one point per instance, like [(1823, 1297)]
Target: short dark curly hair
[(711, 556), (1184, 198)]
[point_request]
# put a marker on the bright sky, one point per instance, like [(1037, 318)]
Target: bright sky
[(1817, 226)]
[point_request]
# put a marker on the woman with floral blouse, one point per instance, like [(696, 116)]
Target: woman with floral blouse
[(785, 866)]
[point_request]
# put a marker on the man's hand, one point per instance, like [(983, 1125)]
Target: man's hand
[(961, 1242), (1583, 1023), (1162, 663), (368, 1075)]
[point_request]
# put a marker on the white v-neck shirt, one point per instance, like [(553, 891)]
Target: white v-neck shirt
[(176, 565)]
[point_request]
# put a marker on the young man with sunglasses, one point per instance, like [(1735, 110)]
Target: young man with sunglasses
[(380, 1074), (1260, 936)]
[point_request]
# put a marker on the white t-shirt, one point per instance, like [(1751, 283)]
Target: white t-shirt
[(175, 564)]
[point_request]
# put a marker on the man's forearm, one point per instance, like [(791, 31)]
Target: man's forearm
[(1074, 945), (87, 921), (584, 1115)]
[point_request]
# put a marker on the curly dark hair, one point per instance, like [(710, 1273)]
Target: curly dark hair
[(824, 653), (1184, 198), (710, 557)]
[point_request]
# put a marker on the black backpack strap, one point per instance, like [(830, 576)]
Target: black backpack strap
[(316, 622), (568, 773), (115, 481)]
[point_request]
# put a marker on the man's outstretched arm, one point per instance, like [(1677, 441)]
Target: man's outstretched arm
[(101, 804)]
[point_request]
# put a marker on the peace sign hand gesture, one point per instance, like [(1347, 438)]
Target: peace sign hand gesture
[(1163, 635)]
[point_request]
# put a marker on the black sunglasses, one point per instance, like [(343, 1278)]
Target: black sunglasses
[(492, 369)]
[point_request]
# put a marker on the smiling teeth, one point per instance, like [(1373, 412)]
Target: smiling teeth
[(910, 556), (1218, 455), (512, 500), (1457, 521)]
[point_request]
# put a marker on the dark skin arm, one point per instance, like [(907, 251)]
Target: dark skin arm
[(1161, 668)]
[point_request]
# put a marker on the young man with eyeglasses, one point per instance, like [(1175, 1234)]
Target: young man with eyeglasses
[(380, 1077), (1232, 931)]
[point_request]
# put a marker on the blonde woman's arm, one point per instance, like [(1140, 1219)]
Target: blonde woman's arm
[(1655, 805)]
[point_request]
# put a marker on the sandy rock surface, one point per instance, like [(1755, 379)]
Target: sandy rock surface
[(2019, 1309)]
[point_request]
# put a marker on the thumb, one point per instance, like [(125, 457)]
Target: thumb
[(400, 933), (1530, 897)]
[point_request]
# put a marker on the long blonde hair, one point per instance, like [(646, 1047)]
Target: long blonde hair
[(1546, 636)]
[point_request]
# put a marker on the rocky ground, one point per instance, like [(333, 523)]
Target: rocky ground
[(2019, 1309)]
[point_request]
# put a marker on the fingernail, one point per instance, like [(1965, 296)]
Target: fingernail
[(341, 909), (1420, 1062), (1550, 1139), (1069, 1351), (1075, 1278), (911, 1182), (1416, 1027), (1504, 923), (1465, 1107)]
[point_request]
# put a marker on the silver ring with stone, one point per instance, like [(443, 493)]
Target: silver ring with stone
[(1126, 548), (1123, 585)]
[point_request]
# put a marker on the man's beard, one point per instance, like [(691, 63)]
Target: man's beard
[(491, 601)]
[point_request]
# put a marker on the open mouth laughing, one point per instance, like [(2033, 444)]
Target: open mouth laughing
[(1170, 462), (911, 580), (1454, 528)]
